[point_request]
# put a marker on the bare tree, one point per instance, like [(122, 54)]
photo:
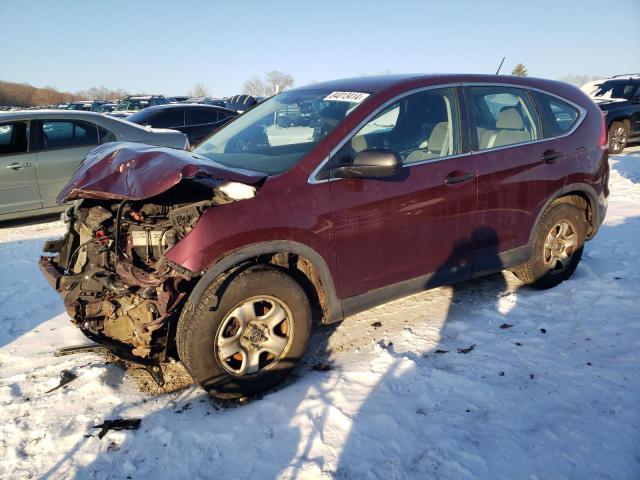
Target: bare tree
[(277, 82), (254, 86), (198, 90), (579, 80), (274, 82), (519, 70)]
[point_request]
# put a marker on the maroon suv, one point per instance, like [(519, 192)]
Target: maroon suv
[(330, 198)]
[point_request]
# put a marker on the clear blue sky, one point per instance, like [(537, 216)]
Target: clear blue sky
[(168, 46)]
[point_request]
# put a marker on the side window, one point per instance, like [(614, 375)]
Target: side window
[(502, 116), (106, 136), (173, 117), (558, 117), (199, 116), (68, 133), (14, 137), (421, 126)]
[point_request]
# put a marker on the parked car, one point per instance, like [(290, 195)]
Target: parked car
[(40, 150), (218, 102), (619, 98), (398, 183), (105, 107), (179, 98), (240, 103), (195, 121), (83, 105), (135, 103), (87, 105)]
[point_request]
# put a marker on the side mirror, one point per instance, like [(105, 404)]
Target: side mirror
[(371, 164)]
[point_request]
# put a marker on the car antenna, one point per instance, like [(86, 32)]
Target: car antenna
[(498, 71)]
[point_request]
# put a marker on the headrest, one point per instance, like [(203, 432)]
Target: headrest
[(510, 118)]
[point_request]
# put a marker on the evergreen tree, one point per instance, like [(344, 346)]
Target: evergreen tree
[(519, 70)]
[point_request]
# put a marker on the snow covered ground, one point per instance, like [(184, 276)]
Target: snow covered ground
[(553, 395)]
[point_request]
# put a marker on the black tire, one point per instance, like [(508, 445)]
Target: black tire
[(541, 271), (201, 326), (618, 137)]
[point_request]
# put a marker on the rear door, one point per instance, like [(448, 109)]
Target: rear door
[(518, 169), (393, 230), (18, 178), (62, 145)]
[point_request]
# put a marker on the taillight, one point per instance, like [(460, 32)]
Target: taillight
[(603, 141)]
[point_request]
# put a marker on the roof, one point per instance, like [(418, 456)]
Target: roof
[(26, 114), (169, 106), (379, 83)]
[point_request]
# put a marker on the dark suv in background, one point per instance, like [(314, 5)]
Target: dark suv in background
[(194, 120), (390, 186), (619, 98)]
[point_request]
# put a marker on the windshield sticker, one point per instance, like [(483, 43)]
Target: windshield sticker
[(351, 97)]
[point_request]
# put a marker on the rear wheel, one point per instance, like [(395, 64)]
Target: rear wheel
[(245, 337), (556, 248), (618, 137)]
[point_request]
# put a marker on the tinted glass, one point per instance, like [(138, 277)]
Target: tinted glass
[(610, 89), (419, 127), (168, 118), (14, 137), (502, 116), (199, 116), (558, 116), (106, 136), (68, 133)]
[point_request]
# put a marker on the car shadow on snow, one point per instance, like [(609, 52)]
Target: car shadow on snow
[(513, 389), (496, 397)]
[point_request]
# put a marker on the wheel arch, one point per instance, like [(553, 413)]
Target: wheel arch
[(306, 265), (582, 196)]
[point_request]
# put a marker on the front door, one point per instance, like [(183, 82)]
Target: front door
[(18, 179), (392, 230)]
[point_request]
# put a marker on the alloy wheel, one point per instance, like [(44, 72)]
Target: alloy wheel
[(559, 246), (254, 336)]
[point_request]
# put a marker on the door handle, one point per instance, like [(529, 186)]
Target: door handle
[(458, 177), (551, 156), (17, 165)]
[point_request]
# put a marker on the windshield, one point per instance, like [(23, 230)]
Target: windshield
[(605, 89), (276, 134), (132, 105)]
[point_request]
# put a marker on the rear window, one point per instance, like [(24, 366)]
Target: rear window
[(558, 116)]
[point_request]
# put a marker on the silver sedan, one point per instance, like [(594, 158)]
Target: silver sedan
[(40, 150)]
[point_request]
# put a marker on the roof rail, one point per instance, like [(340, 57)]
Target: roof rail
[(627, 75)]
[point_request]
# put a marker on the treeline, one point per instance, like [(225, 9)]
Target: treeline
[(24, 95)]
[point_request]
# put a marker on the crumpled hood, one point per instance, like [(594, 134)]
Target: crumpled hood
[(135, 171)]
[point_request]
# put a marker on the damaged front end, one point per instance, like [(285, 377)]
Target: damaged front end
[(110, 268)]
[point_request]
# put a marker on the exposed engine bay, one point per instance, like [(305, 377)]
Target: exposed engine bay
[(110, 267)]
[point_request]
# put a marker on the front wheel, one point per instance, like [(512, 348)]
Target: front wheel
[(245, 337), (557, 247)]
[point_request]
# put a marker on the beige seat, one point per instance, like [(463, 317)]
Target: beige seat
[(438, 145), (359, 143), (509, 130)]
